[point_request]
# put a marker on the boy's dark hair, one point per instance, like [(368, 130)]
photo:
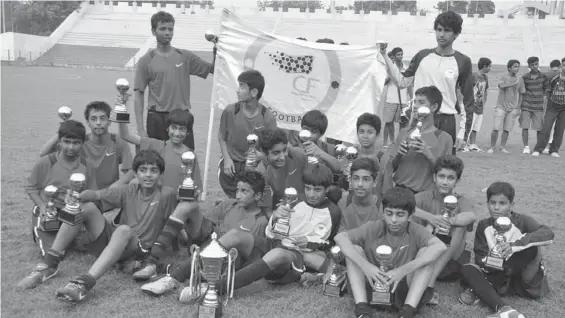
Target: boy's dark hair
[(500, 187), (484, 62), (268, 138), (72, 129), (532, 59), (302, 39), (254, 179), (400, 198), (253, 79), (161, 16), (433, 95), (368, 164), (396, 50), (315, 119), (554, 63), (148, 157), (563, 60), (450, 162), (371, 120), (317, 175), (97, 105), (325, 40), (344, 43), (511, 63), (180, 117), (449, 20)]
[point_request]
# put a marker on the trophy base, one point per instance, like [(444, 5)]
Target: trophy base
[(495, 263), (209, 312), (333, 290), (71, 218), (185, 194), (446, 239), (281, 229), (380, 298), (119, 117), (48, 225)]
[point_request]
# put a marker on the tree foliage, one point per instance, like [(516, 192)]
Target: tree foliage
[(36, 17), (402, 6), (481, 7), (456, 6)]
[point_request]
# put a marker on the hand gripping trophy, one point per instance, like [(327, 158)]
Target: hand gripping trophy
[(381, 292), (306, 136), (187, 190), (49, 221), (252, 156), (495, 260), (281, 225), (120, 112), (351, 154), (335, 286), (422, 113), (449, 207), (72, 212)]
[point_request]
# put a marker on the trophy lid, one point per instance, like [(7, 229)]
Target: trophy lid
[(214, 249), (210, 35), (122, 83), (187, 157), (384, 250), (50, 191), (65, 111), (305, 134), (77, 177), (340, 148), (450, 199), (335, 250), (252, 138), (351, 150), (423, 111), (503, 221), (290, 191)]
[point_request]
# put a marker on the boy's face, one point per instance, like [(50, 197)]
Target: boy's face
[(98, 122), (367, 135), (534, 67), (398, 56), (245, 195), (314, 194), (362, 182), (277, 155), (444, 36), (245, 94), (396, 220), (70, 147), (446, 180), (422, 101), (177, 133), (499, 205), (562, 67), (487, 68), (164, 32), (514, 68), (148, 175), (315, 133)]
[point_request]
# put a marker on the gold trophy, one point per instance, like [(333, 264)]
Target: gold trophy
[(381, 292), (212, 263), (120, 112), (351, 154), (494, 260), (49, 221), (306, 136), (282, 224), (449, 207), (72, 212), (187, 190), (251, 160), (65, 113), (335, 286), (211, 36)]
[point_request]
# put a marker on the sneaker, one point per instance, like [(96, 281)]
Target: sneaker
[(146, 272), (476, 148), (506, 312), (187, 296), (503, 150), (311, 279), (535, 153), (546, 151), (435, 299), (40, 274), (466, 149), (555, 154), (73, 292), (468, 297), (526, 150), (363, 310), (490, 151), (161, 286)]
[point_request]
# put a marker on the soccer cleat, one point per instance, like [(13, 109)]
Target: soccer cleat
[(146, 272), (161, 286), (506, 312), (535, 153), (555, 155), (490, 151), (468, 297), (40, 274), (503, 150), (188, 297), (73, 292)]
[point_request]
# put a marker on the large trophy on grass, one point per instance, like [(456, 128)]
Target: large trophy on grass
[(187, 190), (72, 212), (213, 263), (281, 225), (252, 156), (49, 221), (381, 292), (495, 260), (335, 286), (120, 112)]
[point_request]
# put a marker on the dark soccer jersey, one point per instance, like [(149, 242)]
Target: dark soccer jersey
[(431, 201), (536, 86), (290, 175), (228, 215), (355, 215)]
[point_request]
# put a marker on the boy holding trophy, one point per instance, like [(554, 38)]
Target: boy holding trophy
[(390, 261), (508, 259)]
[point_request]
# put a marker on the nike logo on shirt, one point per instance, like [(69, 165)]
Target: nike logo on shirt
[(403, 247), (292, 172), (179, 65), (111, 153), (247, 230), (153, 203)]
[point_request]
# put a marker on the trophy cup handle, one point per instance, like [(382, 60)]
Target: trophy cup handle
[(194, 268), (232, 256)]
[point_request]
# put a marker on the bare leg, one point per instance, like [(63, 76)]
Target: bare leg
[(357, 279), (525, 137), (473, 137), (417, 283), (123, 239), (94, 223), (454, 250), (504, 138), (493, 138), (240, 240)]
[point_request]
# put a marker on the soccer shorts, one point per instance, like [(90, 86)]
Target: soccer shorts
[(531, 120), (287, 273), (477, 122), (503, 120), (99, 244)]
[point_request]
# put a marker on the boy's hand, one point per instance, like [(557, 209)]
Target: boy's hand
[(311, 149), (229, 167), (300, 241), (438, 221), (517, 113), (374, 275), (282, 211), (403, 148), (395, 276), (505, 249), (419, 145)]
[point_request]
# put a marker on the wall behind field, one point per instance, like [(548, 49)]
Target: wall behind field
[(15, 45)]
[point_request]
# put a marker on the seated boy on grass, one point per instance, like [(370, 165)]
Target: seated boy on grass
[(240, 214), (429, 213), (414, 251), (523, 272), (144, 208)]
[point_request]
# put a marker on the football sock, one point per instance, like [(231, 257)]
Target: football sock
[(52, 258), (484, 290), (170, 231)]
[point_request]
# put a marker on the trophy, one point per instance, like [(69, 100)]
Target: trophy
[(350, 155), (381, 292), (449, 207), (282, 224), (335, 286), (187, 190), (213, 263), (65, 112), (120, 113), (494, 260), (49, 221), (306, 136), (340, 151), (72, 212), (421, 114), (211, 36), (251, 160)]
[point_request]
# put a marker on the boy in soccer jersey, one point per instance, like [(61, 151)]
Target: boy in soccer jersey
[(230, 219), (414, 252), (55, 169), (144, 209), (480, 90), (523, 272), (238, 120), (415, 157), (429, 212)]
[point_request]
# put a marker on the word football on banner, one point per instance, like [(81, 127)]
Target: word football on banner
[(341, 81)]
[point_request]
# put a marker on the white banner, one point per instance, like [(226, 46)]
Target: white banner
[(341, 81)]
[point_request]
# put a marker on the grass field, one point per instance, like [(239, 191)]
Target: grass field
[(30, 100)]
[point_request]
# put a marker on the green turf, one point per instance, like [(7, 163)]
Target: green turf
[(30, 100)]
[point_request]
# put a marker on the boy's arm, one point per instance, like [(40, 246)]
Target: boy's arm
[(348, 249), (480, 246), (406, 79), (466, 215), (113, 196), (140, 84), (431, 253), (505, 84), (124, 179), (198, 66), (125, 159), (223, 135), (50, 146), (126, 135), (35, 181), (521, 91), (330, 161), (398, 157), (466, 84), (536, 235)]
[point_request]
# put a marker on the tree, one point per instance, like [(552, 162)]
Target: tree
[(37, 17), (456, 6), (482, 7), (403, 6)]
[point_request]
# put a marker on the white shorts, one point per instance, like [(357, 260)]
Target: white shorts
[(477, 122)]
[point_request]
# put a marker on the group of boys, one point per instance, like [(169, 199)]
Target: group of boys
[(393, 197)]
